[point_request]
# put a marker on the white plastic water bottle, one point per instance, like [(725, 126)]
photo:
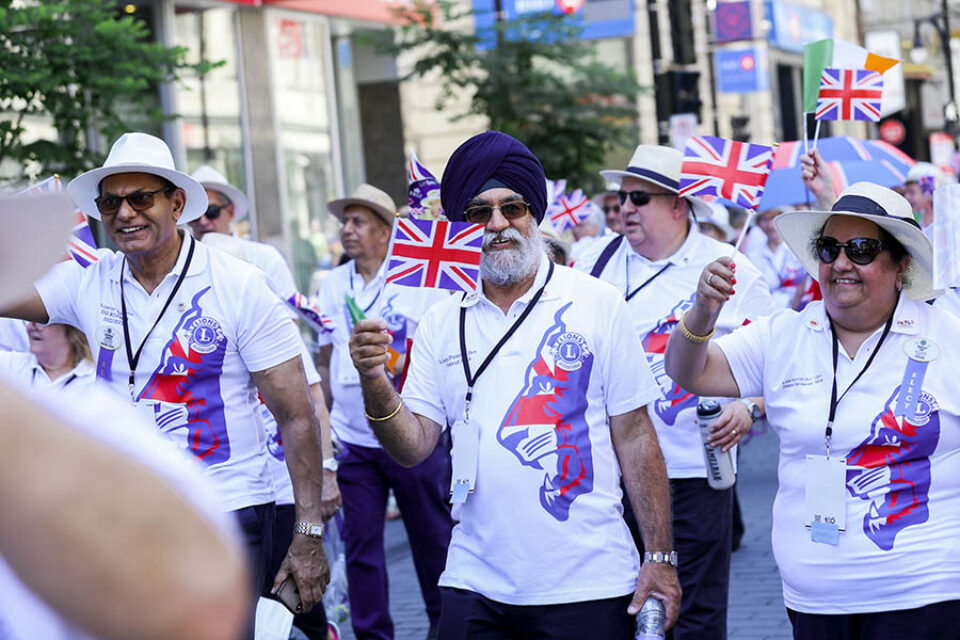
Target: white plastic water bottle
[(650, 620), (719, 463)]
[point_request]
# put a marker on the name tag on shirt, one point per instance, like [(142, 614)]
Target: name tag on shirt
[(465, 454), (826, 503)]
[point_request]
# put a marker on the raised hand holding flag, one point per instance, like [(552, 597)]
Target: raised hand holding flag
[(436, 254), (735, 171)]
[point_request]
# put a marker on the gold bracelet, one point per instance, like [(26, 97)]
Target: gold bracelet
[(385, 418), (689, 335)]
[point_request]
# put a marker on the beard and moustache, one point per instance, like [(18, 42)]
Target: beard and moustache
[(510, 266)]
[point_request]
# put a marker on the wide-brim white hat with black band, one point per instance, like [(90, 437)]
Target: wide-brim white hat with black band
[(366, 196), (138, 153), (212, 179), (660, 166), (888, 210)]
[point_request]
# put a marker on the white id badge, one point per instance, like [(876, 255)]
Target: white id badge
[(465, 454), (826, 498)]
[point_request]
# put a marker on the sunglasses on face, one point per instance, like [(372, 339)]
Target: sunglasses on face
[(859, 250), (607, 208), (481, 214), (213, 211), (138, 200), (638, 198)]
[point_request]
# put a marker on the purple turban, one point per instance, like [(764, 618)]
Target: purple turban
[(492, 157)]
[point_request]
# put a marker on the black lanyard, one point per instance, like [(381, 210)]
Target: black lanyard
[(834, 400), (134, 358), (372, 302), (645, 282), (472, 379)]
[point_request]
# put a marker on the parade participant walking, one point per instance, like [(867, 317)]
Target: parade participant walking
[(366, 473), (528, 372), (59, 357), (922, 180), (655, 266), (861, 390), (165, 314)]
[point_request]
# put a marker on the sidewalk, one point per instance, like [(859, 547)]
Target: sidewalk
[(756, 602)]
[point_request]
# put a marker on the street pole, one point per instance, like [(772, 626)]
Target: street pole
[(945, 37)]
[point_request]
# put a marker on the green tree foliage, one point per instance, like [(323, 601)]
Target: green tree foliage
[(83, 67), (533, 78)]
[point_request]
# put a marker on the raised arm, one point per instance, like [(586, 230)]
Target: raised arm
[(31, 310), (408, 437)]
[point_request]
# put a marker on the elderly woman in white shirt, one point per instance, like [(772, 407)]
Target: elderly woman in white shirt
[(59, 357), (862, 391)]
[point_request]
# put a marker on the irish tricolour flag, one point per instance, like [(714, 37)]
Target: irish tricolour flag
[(835, 54)]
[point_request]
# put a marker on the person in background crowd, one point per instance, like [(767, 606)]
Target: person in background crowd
[(192, 336), (922, 179), (59, 357), (557, 250), (868, 503), (539, 421), (656, 271), (590, 230), (717, 224), (365, 472), (610, 205)]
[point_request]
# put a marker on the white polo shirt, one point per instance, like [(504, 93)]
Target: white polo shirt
[(402, 307), (900, 549), (545, 523), (24, 368), (655, 311), (194, 372)]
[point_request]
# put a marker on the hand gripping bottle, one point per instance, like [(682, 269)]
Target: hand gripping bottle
[(719, 463), (650, 620)]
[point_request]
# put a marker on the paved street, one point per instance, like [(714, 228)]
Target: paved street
[(756, 603)]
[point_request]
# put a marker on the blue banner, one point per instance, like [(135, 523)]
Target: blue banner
[(733, 22), (599, 18), (741, 70), (792, 26)]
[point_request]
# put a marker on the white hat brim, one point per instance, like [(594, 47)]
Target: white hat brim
[(798, 229), (241, 204), (85, 188)]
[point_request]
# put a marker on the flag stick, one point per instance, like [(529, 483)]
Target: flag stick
[(816, 135), (751, 214), (806, 134)]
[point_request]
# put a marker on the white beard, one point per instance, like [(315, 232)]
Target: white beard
[(511, 266)]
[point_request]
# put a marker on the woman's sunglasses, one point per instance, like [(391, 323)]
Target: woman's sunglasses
[(859, 250)]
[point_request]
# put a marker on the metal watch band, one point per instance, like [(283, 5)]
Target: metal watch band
[(331, 464), (312, 529), (661, 557)]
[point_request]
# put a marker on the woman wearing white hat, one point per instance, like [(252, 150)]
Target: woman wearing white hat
[(861, 389)]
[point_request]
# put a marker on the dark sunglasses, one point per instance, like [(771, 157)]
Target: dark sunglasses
[(138, 201), (483, 213), (859, 250), (607, 208), (213, 211), (639, 198)]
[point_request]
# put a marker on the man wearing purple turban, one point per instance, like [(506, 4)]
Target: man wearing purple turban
[(528, 375)]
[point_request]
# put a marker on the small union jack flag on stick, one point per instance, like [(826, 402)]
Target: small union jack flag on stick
[(436, 253), (81, 247), (569, 211), (736, 171), (308, 310), (423, 191), (849, 94)]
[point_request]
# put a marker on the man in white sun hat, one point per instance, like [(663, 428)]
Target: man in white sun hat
[(656, 270), (861, 390), (165, 321)]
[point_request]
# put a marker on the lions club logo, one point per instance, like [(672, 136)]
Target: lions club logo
[(205, 334)]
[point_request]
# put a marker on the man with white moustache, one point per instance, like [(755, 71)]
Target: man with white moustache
[(528, 374)]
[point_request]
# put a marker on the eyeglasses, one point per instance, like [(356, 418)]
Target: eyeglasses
[(639, 198), (213, 211), (138, 201), (859, 250), (607, 208), (510, 210)]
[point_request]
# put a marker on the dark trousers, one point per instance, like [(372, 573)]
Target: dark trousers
[(470, 616), (365, 477), (314, 622), (702, 533), (256, 525), (939, 621)]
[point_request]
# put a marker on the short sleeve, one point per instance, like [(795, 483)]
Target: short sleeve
[(266, 336), (746, 350), (325, 300), (58, 290), (628, 382), (313, 376), (420, 389)]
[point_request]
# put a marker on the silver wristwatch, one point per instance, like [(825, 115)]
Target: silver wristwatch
[(331, 464), (661, 557), (753, 408), (312, 529)]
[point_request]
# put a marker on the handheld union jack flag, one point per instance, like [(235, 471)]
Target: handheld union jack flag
[(81, 246), (436, 253), (555, 189), (849, 94), (735, 171), (311, 313), (569, 211), (423, 192)]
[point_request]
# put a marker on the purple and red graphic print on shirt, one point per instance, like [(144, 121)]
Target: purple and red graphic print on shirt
[(546, 427), (891, 469), (187, 386), (674, 397)]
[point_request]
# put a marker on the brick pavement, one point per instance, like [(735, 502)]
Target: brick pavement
[(756, 602)]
